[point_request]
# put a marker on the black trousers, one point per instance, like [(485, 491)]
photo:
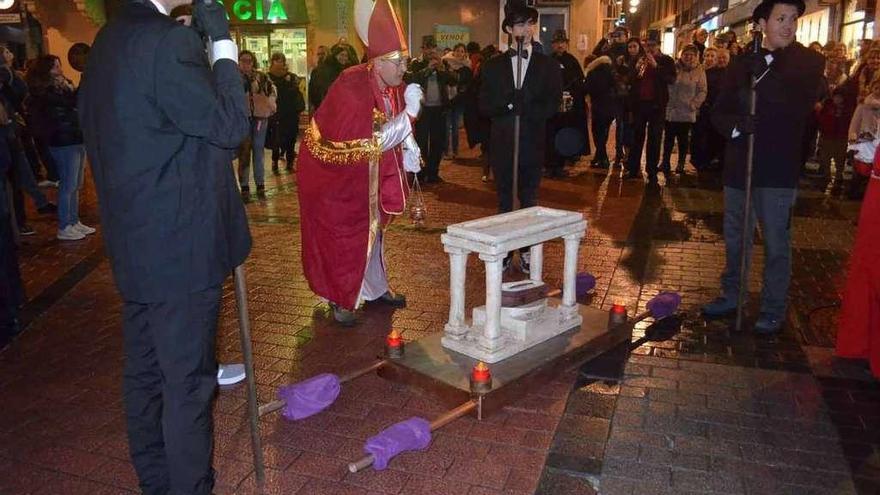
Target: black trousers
[(431, 136), (282, 138), (529, 178), (169, 379), (649, 120), (601, 128), (11, 287), (676, 131)]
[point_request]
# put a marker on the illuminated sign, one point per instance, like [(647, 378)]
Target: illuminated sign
[(6, 4), (271, 11)]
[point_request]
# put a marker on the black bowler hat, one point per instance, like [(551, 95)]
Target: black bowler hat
[(762, 11), (559, 35), (518, 11)]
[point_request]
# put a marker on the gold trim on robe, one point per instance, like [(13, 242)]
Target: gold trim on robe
[(341, 152)]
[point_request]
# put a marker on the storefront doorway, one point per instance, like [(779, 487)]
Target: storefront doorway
[(264, 42)]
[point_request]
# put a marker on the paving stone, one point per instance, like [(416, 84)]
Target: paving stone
[(648, 425)]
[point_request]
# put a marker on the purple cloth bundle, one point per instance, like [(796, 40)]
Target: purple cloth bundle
[(309, 397), (664, 304), (411, 434), (584, 283)]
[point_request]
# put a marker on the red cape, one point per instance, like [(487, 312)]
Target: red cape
[(337, 212)]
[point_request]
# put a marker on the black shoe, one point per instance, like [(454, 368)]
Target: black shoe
[(275, 167), (261, 192), (392, 299), (767, 325), (26, 229), (343, 316), (246, 194), (47, 209), (633, 175)]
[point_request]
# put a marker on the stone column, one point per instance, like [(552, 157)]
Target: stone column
[(491, 339), (536, 270), (455, 327), (569, 274)]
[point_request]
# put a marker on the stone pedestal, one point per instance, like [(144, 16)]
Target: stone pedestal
[(497, 333)]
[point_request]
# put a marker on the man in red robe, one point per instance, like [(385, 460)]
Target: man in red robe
[(352, 168)]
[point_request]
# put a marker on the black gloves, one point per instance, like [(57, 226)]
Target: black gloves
[(209, 18)]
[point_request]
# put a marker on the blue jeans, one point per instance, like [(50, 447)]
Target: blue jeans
[(69, 160), (772, 209), (453, 122), (255, 144)]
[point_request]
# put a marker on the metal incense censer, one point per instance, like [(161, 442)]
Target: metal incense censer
[(418, 213)]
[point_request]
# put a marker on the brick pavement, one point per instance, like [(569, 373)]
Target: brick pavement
[(687, 408)]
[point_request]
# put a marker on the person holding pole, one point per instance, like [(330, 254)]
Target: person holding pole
[(763, 156), (161, 118), (520, 91)]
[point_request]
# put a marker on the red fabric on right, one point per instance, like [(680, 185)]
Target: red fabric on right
[(858, 328)]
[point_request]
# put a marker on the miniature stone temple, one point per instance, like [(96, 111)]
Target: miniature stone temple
[(496, 330)]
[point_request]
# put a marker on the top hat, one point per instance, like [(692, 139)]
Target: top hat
[(762, 11), (560, 35), (518, 11)]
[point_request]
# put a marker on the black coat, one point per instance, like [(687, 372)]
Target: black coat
[(786, 96), (541, 95), (664, 75), (602, 87), (53, 115), (419, 72), (161, 127), (284, 124)]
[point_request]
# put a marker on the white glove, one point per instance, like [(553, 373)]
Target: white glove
[(412, 155), (413, 95)]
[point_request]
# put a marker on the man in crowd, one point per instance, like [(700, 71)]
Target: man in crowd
[(788, 79), (572, 117), (350, 171), (431, 73), (174, 227), (535, 101), (648, 96)]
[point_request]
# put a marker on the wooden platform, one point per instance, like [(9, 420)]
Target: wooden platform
[(429, 366)]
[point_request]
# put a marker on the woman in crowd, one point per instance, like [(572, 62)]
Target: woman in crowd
[(284, 125), (326, 73), (624, 68), (457, 60), (261, 96), (858, 86), (707, 144), (52, 106), (686, 95)]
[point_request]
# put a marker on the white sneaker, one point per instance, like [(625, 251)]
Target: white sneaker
[(84, 229), (230, 374), (70, 233)]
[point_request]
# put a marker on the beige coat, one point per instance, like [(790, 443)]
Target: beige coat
[(686, 94)]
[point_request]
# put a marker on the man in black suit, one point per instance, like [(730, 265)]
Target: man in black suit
[(161, 123), (535, 101), (788, 83)]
